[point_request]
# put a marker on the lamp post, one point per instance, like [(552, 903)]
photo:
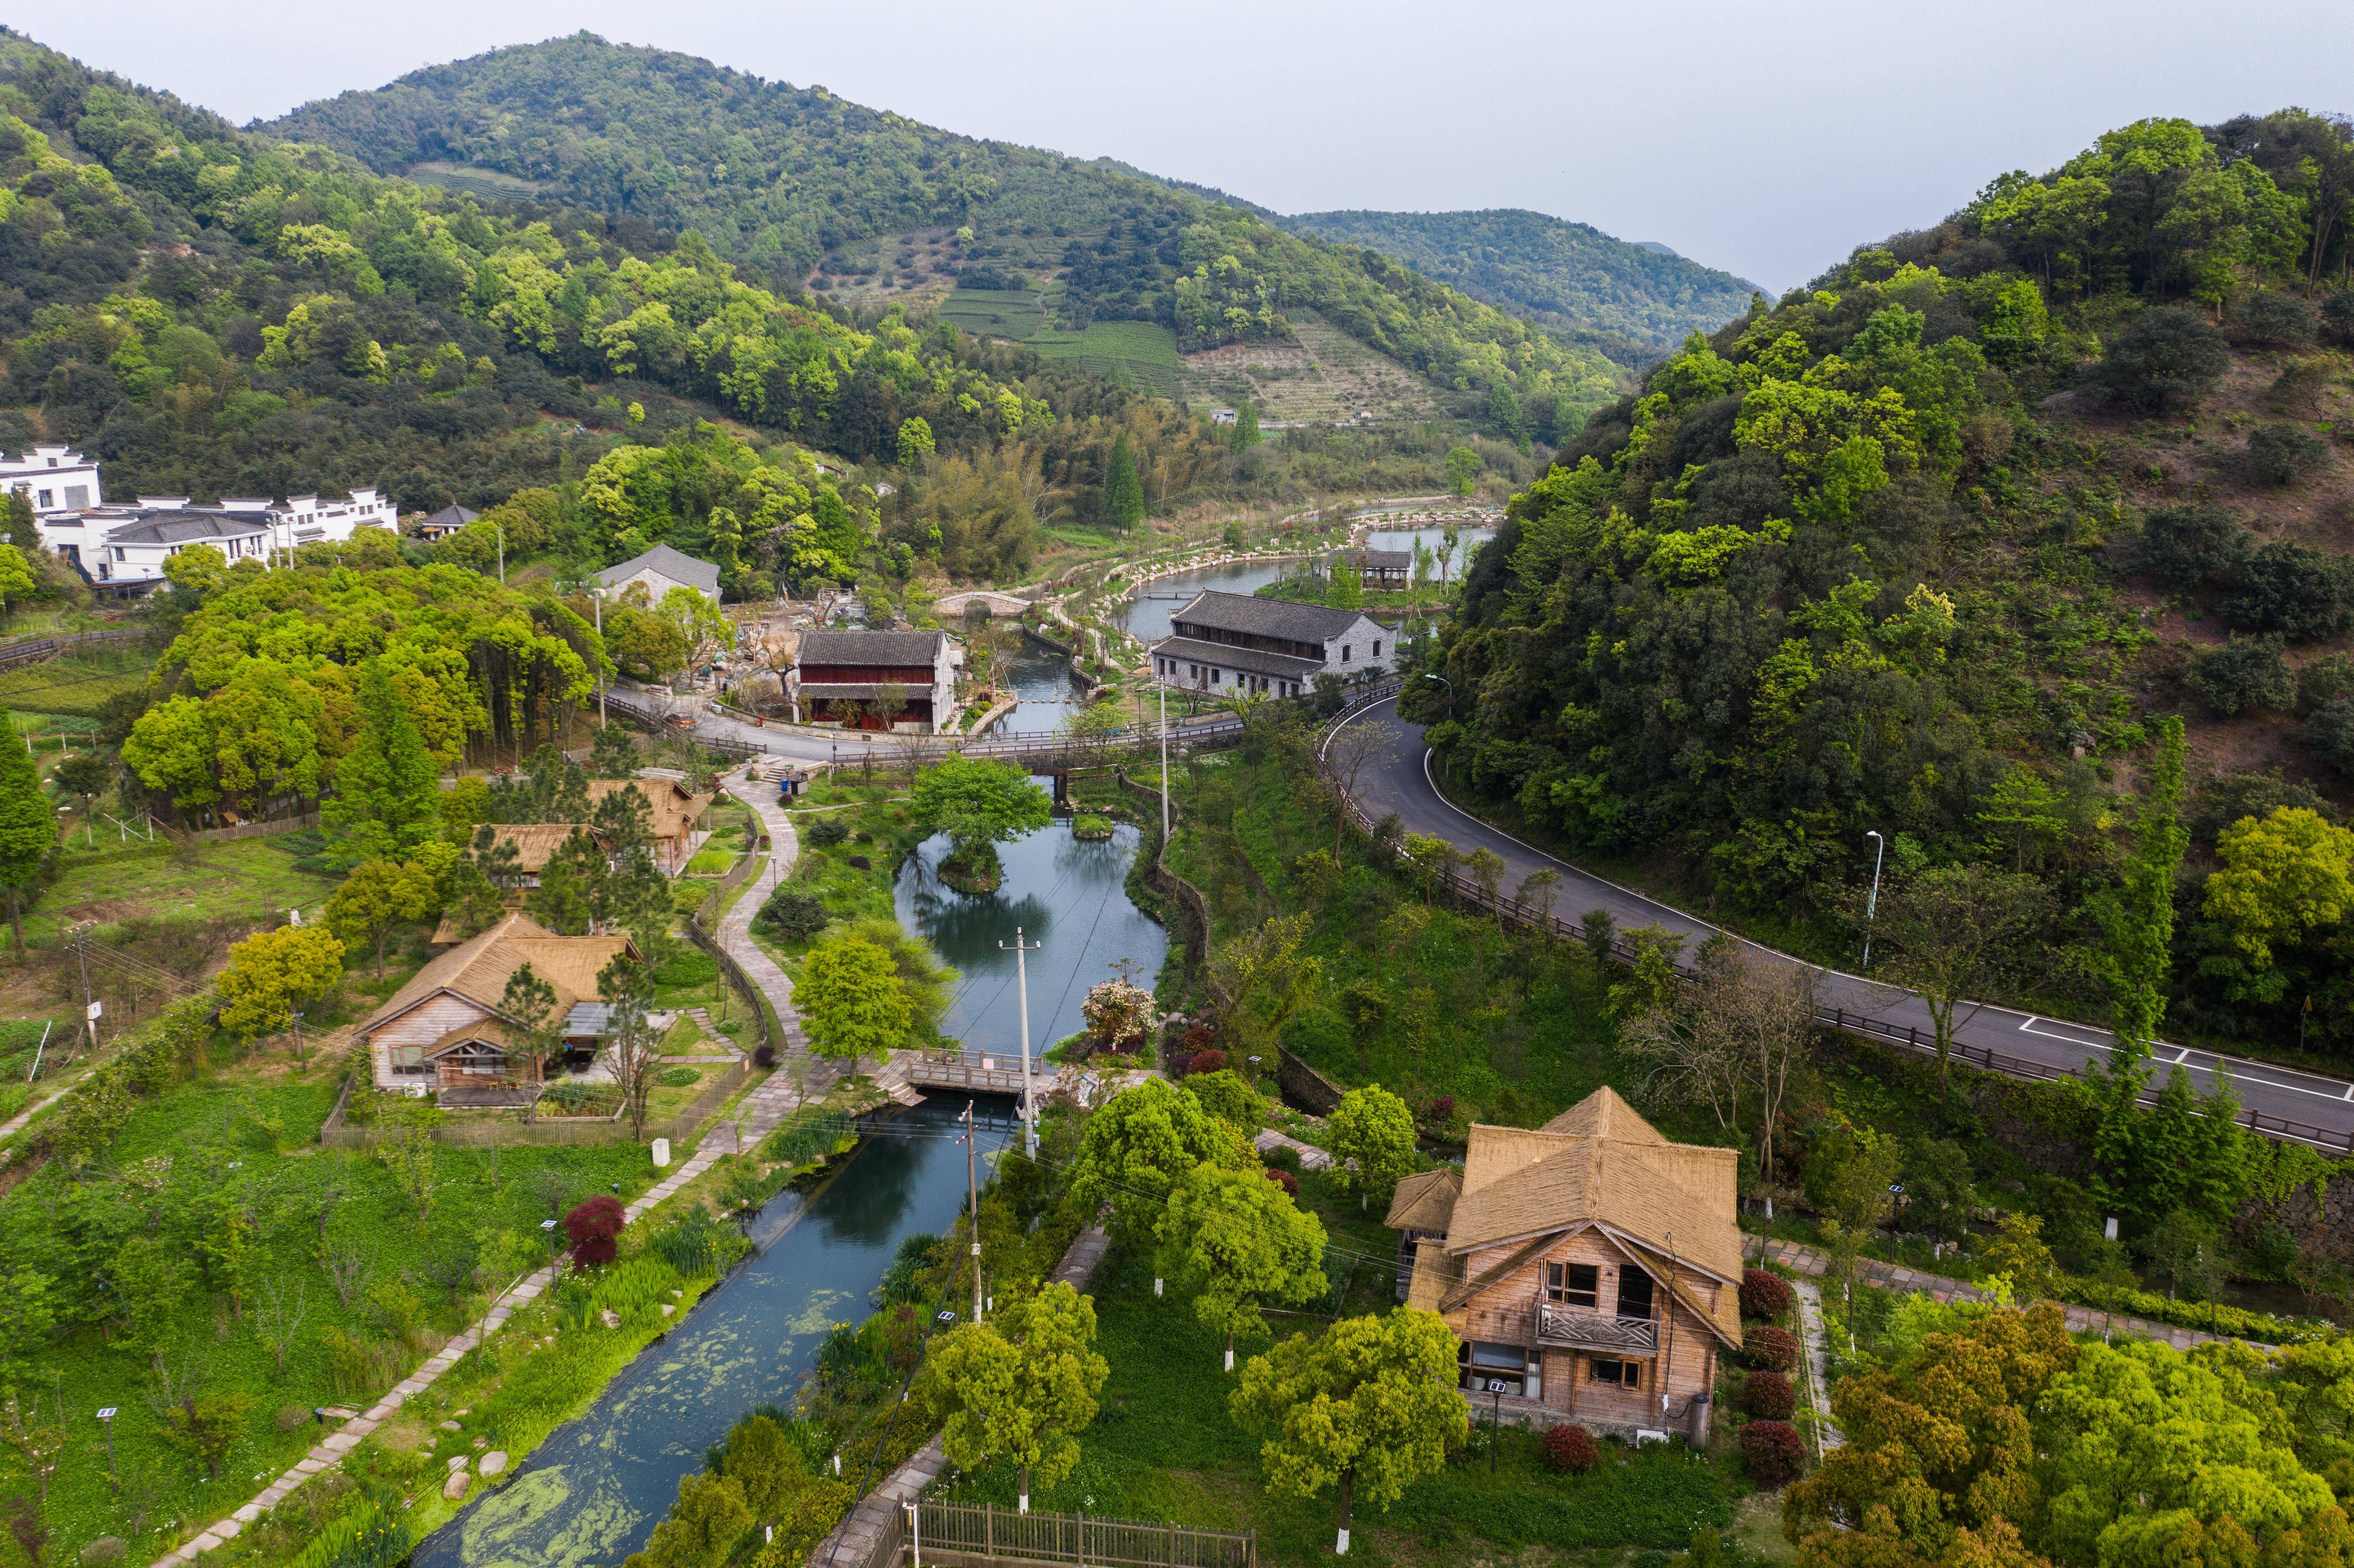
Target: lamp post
[(1254, 1065), (552, 1243), (106, 1419), (597, 599), (1871, 905)]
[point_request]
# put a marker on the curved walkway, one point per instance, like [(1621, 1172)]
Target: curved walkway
[(756, 1114), (1402, 783)]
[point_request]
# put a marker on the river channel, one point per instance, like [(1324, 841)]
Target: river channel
[(596, 1489)]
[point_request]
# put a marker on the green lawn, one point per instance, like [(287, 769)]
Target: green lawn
[(1165, 1447)]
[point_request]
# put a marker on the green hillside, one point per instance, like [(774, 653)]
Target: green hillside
[(1568, 277), (808, 188), (1933, 547)]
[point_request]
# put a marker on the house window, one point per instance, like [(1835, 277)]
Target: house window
[(409, 1059), (77, 496), (1344, 652), (1572, 1284), (1618, 1374), (48, 497), (1377, 647), (1634, 1293)]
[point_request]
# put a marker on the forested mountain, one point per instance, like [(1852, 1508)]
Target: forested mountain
[(213, 312), (1933, 546), (798, 184), (1635, 301)]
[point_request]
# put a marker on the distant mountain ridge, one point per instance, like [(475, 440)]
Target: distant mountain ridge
[(1569, 277), (813, 190)]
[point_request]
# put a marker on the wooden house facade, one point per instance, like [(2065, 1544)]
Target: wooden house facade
[(1589, 1268), (447, 1030)]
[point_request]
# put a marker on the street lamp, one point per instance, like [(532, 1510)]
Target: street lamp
[(552, 1243), (1871, 905), (1254, 1065)]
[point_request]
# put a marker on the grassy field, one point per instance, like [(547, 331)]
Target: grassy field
[(1165, 1447), (77, 686), (239, 1141), (491, 182), (248, 880), (1142, 352)]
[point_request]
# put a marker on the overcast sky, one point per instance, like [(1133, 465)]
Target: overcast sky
[(1765, 140)]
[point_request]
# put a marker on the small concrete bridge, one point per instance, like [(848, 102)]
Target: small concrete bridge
[(955, 606)]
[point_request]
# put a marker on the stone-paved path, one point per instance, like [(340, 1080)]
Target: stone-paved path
[(852, 1542), (1814, 1265), (1827, 1433), (758, 1114)]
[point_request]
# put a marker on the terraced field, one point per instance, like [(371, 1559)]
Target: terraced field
[(1325, 377), (1140, 353), (1010, 313)]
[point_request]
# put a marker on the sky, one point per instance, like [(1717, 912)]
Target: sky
[(1767, 140)]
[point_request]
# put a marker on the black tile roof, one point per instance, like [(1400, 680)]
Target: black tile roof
[(1264, 617), (900, 648), (1280, 665), (184, 527)]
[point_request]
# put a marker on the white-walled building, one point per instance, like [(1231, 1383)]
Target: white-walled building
[(123, 548), (1236, 644), (53, 478)]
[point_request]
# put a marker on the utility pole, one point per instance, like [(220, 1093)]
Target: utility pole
[(88, 1005), (302, 1058), (972, 1194), (1164, 766), (597, 596), (1021, 980), (499, 529)]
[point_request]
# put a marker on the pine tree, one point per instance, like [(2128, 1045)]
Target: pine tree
[(387, 798), (28, 831), (1123, 489), (23, 529)]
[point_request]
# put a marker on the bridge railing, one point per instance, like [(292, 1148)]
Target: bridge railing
[(997, 1535), (1471, 891)]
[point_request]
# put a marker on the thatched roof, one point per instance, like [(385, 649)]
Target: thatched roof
[(477, 969)]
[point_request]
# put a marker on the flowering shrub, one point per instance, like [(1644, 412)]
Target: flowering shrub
[(1773, 1451), (1764, 1295), (1767, 1395), (1570, 1450), (1117, 1014), (1209, 1059)]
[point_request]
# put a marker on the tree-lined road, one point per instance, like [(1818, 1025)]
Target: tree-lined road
[(1402, 783)]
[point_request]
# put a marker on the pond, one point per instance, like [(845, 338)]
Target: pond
[(1068, 897), (596, 1489)]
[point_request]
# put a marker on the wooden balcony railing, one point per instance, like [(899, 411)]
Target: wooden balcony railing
[(1592, 1330)]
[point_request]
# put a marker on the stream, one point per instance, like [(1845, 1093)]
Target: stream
[(593, 1491)]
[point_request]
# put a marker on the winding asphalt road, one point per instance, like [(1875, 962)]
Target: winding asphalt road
[(1402, 782)]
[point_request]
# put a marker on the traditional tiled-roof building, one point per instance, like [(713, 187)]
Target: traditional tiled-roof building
[(1235, 644)]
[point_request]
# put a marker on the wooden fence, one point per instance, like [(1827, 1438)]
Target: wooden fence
[(545, 1132), (953, 1533), (252, 830), (33, 649), (1467, 893)]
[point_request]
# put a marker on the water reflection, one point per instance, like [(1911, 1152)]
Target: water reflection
[(594, 1491), (1065, 894)]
